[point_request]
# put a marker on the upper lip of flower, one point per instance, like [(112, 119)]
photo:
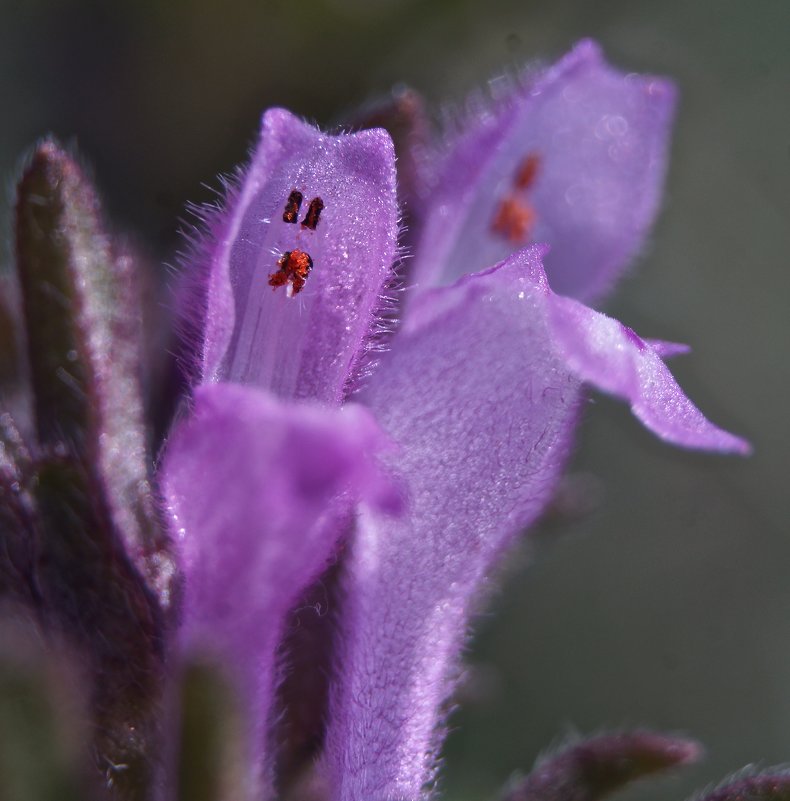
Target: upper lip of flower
[(480, 392), (306, 346), (596, 143)]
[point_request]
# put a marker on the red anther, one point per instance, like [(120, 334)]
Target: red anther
[(514, 220), (527, 172), (278, 279), (294, 267)]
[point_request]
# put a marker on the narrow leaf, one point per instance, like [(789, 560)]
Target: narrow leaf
[(769, 785), (18, 523), (592, 769), (83, 322), (94, 595), (9, 368), (102, 567)]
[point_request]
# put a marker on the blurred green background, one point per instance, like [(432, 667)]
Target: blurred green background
[(667, 603)]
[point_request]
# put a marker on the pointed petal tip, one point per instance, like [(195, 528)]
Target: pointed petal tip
[(584, 53), (611, 357), (590, 52), (666, 349), (274, 119), (281, 134), (707, 438), (586, 50), (275, 115), (429, 304), (744, 447), (527, 262)]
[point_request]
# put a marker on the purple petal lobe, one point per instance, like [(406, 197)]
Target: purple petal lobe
[(480, 392), (576, 158), (613, 358), (255, 488), (668, 350), (482, 409), (300, 260)]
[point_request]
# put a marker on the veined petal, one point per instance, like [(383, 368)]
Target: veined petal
[(481, 398), (311, 208), (575, 159), (255, 488)]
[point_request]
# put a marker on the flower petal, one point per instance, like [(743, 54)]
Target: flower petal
[(575, 159), (614, 359), (255, 489), (668, 350), (301, 343), (483, 410), (482, 402)]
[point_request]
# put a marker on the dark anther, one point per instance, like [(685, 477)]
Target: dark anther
[(313, 213), (291, 211)]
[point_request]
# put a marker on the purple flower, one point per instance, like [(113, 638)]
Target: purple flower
[(468, 416)]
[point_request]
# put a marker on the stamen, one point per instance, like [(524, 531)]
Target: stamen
[(313, 214), (527, 172), (291, 211), (278, 279), (294, 267), (514, 220)]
